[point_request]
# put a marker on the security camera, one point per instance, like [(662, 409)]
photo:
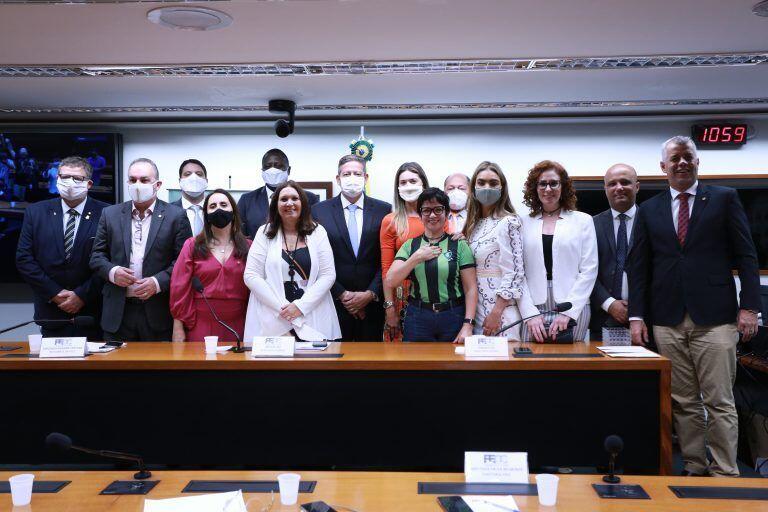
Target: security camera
[(283, 127)]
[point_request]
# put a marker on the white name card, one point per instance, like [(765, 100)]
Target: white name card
[(486, 346), (272, 346), (500, 467), (63, 347)]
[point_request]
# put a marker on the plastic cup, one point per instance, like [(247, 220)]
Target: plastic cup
[(211, 342), (21, 489), (35, 340), (289, 488), (547, 486)]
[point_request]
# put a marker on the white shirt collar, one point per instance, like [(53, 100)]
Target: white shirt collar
[(629, 213), (691, 190), (460, 214), (79, 208), (185, 203), (345, 202)]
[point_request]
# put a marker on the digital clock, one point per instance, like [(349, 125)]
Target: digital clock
[(720, 135)]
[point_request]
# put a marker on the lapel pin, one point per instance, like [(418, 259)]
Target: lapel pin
[(160, 216), (704, 198), (54, 213)]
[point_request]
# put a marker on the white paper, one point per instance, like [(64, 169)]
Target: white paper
[(486, 346), (63, 347), (273, 346), (628, 351), (219, 502), (307, 345), (96, 347), (491, 503), (496, 467)]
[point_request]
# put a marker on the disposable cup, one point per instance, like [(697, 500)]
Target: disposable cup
[(211, 342), (289, 488), (547, 485), (21, 489), (35, 340)]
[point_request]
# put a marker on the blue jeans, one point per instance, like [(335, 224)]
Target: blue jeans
[(423, 324)]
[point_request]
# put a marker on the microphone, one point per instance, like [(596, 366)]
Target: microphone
[(198, 286), (77, 321), (64, 443), (559, 308), (613, 445)]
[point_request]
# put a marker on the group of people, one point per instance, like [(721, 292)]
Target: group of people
[(438, 264)]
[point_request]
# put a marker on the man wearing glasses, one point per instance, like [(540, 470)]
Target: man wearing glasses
[(254, 205), (54, 251), (136, 246)]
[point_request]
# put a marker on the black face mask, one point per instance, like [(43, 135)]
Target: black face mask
[(220, 218)]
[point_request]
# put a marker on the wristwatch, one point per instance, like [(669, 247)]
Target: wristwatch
[(387, 304), (470, 321)]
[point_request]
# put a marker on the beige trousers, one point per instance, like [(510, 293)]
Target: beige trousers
[(703, 372)]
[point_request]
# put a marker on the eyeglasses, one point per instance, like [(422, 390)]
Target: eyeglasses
[(76, 179), (553, 184), (437, 210)]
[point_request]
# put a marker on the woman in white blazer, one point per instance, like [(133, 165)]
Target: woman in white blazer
[(560, 253), (290, 272)]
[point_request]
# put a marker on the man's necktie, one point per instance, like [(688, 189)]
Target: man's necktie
[(683, 216), (352, 227), (621, 256), (69, 233), (197, 225)]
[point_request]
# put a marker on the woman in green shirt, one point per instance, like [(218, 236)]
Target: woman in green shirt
[(443, 296)]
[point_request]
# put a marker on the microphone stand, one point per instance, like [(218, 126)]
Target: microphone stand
[(141, 474), (198, 286), (611, 477), (56, 320)]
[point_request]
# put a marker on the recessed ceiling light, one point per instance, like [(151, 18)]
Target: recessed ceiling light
[(761, 9), (189, 18)]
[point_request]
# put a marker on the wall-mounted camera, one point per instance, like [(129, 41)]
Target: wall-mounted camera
[(283, 127)]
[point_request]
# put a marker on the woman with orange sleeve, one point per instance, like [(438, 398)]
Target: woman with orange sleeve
[(403, 223), (216, 256)]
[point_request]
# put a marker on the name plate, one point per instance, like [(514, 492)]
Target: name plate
[(486, 346), (272, 346), (496, 467), (63, 347)]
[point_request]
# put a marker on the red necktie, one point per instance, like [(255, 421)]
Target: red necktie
[(682, 218)]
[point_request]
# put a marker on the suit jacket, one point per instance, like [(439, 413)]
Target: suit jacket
[(666, 281), (606, 254), (40, 257), (167, 232), (254, 209)]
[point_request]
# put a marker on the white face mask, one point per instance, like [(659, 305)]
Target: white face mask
[(457, 199), (141, 192), (193, 185), (410, 193), (71, 190), (352, 185), (274, 176)]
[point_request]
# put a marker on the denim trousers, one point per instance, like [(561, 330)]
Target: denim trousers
[(423, 324)]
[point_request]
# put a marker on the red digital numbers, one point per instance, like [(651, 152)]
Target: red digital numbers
[(724, 135)]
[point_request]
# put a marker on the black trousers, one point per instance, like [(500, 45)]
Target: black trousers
[(371, 328), (136, 327), (70, 331)]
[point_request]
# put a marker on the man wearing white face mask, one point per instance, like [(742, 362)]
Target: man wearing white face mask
[(456, 186), (136, 245), (254, 205), (193, 180), (54, 250), (353, 221)]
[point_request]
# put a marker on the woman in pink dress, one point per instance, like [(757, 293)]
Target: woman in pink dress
[(217, 258)]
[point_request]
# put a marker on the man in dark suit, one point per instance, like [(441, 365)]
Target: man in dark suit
[(136, 245), (687, 242), (254, 206), (193, 180), (353, 220), (614, 238), (54, 250)]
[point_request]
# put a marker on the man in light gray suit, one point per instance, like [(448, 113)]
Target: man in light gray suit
[(614, 238), (136, 245)]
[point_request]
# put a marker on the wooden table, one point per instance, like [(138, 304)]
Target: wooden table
[(411, 406), (376, 492)]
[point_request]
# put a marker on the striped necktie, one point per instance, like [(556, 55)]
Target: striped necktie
[(683, 216), (69, 233)]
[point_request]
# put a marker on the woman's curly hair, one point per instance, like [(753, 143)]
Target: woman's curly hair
[(530, 192)]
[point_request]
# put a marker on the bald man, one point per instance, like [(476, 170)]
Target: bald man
[(614, 238)]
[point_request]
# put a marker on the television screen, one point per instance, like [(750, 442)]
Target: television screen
[(28, 170)]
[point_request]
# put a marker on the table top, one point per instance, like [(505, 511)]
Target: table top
[(356, 356), (755, 362), (375, 492)]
